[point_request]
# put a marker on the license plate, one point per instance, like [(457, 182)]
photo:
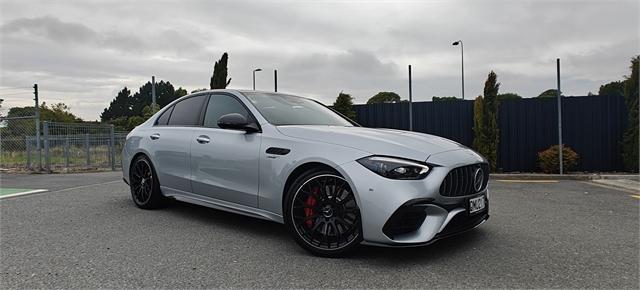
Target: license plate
[(476, 204)]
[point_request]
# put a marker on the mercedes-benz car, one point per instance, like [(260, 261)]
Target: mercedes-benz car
[(288, 159)]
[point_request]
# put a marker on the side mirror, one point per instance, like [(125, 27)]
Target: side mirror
[(236, 121)]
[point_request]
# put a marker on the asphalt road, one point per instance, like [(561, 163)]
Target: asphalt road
[(567, 234)]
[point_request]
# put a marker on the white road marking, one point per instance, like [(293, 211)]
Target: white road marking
[(88, 185), (23, 193), (60, 190)]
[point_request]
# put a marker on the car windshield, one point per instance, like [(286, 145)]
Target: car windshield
[(281, 109)]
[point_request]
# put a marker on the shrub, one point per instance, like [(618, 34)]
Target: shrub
[(548, 159)]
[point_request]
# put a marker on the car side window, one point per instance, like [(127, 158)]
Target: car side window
[(164, 117), (220, 105), (187, 111)]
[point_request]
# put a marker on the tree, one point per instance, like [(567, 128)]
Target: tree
[(219, 77), (630, 141), (487, 134), (165, 94), (344, 105), (550, 93), (120, 106), (612, 89), (479, 138), (509, 96), (437, 99), (127, 105), (148, 111), (198, 90), (134, 121), (384, 97), (58, 112)]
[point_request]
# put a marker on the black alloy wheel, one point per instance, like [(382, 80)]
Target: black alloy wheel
[(145, 189), (323, 214)]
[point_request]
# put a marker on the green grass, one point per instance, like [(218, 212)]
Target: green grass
[(99, 156)]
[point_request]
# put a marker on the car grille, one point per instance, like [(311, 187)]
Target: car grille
[(461, 181)]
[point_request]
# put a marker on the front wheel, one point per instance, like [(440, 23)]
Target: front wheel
[(322, 214), (143, 181)]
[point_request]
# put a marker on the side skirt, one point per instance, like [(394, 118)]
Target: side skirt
[(220, 204)]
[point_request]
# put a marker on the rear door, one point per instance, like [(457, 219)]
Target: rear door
[(169, 142), (224, 162)]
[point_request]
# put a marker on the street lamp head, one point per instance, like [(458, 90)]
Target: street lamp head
[(457, 42), (258, 69)]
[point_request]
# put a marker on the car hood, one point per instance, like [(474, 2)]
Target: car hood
[(390, 142)]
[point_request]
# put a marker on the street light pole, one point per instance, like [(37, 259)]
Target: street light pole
[(153, 94), (462, 56), (559, 98), (410, 103), (254, 77)]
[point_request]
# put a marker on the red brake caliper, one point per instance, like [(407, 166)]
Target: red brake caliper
[(310, 203)]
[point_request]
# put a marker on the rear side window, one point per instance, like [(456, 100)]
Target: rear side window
[(164, 118), (220, 105), (187, 112)]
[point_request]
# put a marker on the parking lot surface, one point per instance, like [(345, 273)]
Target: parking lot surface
[(86, 232)]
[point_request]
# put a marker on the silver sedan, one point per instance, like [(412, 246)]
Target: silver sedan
[(288, 159)]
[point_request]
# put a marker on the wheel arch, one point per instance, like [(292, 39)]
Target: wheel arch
[(126, 167), (302, 168)]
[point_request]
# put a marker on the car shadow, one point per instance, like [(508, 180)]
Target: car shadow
[(227, 220), (254, 228), (444, 248)]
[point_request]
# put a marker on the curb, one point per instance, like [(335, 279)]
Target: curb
[(621, 184), (539, 176)]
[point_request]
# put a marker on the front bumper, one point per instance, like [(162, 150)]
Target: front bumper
[(412, 212)]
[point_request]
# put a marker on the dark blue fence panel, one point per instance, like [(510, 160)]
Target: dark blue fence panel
[(449, 119), (527, 127), (592, 126)]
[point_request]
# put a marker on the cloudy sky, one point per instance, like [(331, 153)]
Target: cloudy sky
[(83, 52)]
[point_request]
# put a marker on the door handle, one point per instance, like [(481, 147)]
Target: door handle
[(202, 139), (155, 136)]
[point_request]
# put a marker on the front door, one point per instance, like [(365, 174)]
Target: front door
[(224, 162), (169, 142)]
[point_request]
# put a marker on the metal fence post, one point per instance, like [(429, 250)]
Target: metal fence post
[(66, 153), (47, 155), (112, 147), (86, 148), (28, 147)]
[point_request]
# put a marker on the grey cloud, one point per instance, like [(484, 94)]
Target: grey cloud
[(49, 27), (318, 47)]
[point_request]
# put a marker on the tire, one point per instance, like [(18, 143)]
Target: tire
[(144, 185), (321, 213)]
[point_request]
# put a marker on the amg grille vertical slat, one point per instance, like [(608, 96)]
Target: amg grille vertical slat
[(460, 181), (465, 181), (456, 183), (450, 186)]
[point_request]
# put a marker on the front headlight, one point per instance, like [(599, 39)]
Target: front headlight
[(395, 168)]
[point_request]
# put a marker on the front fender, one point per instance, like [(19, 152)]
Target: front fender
[(275, 169)]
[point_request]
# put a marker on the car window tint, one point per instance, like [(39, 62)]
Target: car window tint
[(220, 105), (164, 118), (280, 109), (187, 111)]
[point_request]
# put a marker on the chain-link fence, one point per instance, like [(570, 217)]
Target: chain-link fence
[(18, 145), (80, 145), (61, 146)]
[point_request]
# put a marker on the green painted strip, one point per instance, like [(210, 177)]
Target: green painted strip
[(5, 191)]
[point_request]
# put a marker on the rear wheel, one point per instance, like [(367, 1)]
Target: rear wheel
[(143, 181), (322, 214)]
